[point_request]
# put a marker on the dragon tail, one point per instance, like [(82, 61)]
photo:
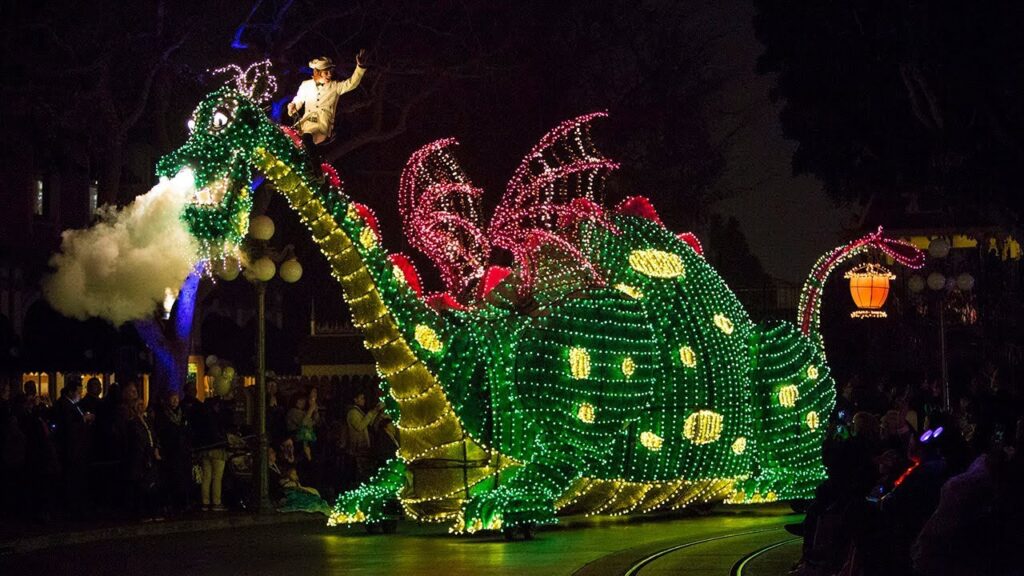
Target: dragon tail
[(809, 309)]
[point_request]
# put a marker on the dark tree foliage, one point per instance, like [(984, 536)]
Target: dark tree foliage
[(903, 98)]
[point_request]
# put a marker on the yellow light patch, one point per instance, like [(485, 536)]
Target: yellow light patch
[(352, 214), (427, 338), (651, 441), (586, 413), (656, 263), (399, 275), (723, 323), (628, 366), (703, 427), (630, 291), (812, 420), (812, 372), (688, 357), (367, 238), (739, 445), (788, 396), (579, 362)]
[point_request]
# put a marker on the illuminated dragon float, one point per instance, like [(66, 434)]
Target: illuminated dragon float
[(607, 370)]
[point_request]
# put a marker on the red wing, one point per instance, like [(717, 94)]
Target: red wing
[(441, 215), (550, 192)]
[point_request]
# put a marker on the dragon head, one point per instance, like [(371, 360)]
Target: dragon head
[(225, 129)]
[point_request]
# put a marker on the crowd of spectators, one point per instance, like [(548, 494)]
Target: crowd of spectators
[(915, 489), (93, 455)]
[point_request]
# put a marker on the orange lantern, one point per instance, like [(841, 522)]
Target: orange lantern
[(869, 287)]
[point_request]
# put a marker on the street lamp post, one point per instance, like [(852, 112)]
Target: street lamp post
[(942, 285), (261, 269)]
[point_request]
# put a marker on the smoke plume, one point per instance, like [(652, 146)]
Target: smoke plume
[(121, 267)]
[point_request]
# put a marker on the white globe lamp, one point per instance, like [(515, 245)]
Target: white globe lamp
[(261, 227), (291, 271), (915, 283), (965, 282), (938, 248), (264, 269)]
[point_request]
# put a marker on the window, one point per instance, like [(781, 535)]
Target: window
[(39, 201), (94, 195)]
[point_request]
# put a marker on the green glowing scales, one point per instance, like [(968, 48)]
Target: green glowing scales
[(651, 389)]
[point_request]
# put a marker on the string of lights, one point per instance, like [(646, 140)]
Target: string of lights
[(610, 370)]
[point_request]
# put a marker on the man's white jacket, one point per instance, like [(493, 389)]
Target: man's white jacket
[(319, 103)]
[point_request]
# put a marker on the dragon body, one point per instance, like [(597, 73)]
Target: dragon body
[(610, 370)]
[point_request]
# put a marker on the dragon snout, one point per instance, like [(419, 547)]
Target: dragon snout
[(213, 193)]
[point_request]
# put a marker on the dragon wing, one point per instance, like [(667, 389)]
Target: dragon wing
[(551, 192), (441, 215)]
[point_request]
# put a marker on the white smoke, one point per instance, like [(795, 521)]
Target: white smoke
[(121, 267)]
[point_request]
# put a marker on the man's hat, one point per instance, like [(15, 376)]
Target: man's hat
[(324, 63)]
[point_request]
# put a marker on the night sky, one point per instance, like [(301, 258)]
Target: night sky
[(787, 219)]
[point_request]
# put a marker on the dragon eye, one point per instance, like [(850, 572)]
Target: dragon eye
[(220, 119), (223, 114)]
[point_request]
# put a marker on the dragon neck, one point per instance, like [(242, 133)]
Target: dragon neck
[(389, 316)]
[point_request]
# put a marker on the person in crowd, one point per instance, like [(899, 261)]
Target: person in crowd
[(299, 498), (243, 404), (126, 407), (173, 433), (72, 442), (143, 457), (42, 466), (124, 412), (302, 419), (359, 421), (274, 477), (13, 445), (108, 449), (191, 401), (90, 403), (214, 422), (975, 529), (286, 455), (275, 413), (384, 440), (895, 432)]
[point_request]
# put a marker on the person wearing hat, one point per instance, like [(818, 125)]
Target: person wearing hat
[(318, 99)]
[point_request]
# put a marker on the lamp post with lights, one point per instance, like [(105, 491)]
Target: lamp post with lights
[(263, 265)]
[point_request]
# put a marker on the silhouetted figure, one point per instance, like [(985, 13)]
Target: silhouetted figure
[(72, 442), (143, 454), (173, 431)]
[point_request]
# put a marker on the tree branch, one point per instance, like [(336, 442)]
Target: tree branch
[(147, 85), (377, 133)]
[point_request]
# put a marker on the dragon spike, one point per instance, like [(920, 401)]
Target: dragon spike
[(639, 206), (256, 82)]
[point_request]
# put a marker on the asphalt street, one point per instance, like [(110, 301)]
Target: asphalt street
[(698, 545)]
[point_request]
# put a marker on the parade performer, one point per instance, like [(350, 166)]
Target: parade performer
[(317, 98)]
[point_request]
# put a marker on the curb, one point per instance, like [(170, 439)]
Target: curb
[(36, 543)]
